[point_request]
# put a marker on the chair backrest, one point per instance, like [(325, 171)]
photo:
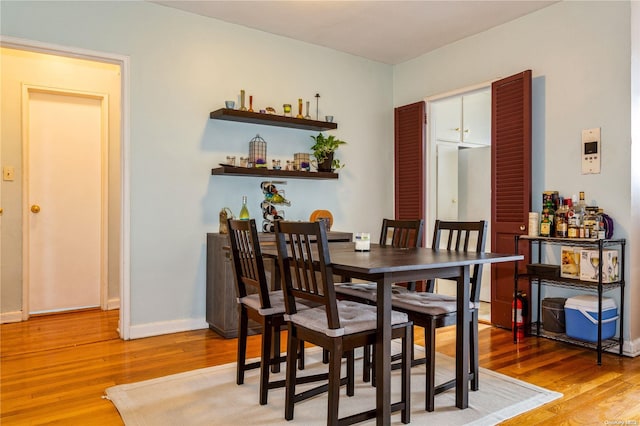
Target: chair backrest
[(246, 256), (303, 254), (401, 233), (462, 236)]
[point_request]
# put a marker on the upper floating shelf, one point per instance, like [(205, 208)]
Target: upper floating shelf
[(269, 173), (271, 119)]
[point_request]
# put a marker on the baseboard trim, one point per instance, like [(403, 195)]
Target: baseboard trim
[(113, 304), (166, 327), (7, 317), (631, 347)]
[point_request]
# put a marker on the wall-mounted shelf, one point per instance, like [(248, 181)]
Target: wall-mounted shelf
[(271, 120), (269, 173)]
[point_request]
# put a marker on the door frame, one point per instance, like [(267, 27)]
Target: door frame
[(125, 186), (27, 90)]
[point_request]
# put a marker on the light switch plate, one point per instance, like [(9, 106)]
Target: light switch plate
[(8, 173), (591, 151)]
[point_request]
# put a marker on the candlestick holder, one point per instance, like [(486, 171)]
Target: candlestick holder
[(299, 109)]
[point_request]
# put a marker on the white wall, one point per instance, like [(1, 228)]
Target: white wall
[(182, 67), (579, 53)]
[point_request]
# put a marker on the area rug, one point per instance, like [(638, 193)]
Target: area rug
[(210, 396)]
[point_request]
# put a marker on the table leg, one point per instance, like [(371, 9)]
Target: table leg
[(463, 319), (383, 354)]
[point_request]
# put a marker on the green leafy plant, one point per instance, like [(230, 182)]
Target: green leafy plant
[(324, 147)]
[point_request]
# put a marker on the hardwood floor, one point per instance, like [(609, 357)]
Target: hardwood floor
[(54, 370)]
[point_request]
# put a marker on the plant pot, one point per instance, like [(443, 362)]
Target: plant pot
[(326, 165)]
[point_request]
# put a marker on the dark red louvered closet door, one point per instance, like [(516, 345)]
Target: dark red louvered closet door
[(511, 185), (409, 161)]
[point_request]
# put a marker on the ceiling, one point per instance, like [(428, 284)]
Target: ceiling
[(390, 32)]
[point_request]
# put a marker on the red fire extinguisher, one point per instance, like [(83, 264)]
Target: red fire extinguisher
[(520, 309)]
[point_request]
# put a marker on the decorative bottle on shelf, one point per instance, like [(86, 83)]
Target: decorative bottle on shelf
[(546, 220), (244, 211)]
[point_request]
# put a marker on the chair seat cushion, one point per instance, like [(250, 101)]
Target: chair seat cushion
[(276, 298), (366, 291), (354, 318), (427, 303)]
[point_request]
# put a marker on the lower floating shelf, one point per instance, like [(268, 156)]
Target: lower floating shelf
[(270, 173)]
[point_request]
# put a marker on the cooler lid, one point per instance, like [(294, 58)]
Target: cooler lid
[(589, 302)]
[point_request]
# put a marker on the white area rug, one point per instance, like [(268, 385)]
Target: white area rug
[(210, 396)]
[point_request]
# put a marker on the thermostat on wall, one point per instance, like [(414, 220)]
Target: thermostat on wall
[(591, 151)]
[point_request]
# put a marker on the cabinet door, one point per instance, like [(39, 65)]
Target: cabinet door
[(476, 118), (447, 118)]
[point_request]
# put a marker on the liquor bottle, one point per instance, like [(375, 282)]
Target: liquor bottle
[(244, 211), (546, 219), (562, 224), (590, 223), (572, 220), (581, 211), (580, 208)]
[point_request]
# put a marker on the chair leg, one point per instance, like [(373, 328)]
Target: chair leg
[(301, 356), (407, 353), (265, 361), (275, 350), (243, 325), (335, 362), (373, 366), (290, 385), (351, 369), (473, 345), (430, 351), (366, 364)]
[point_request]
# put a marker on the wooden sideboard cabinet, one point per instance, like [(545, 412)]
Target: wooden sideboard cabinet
[(221, 306)]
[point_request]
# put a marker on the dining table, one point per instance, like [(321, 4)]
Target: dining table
[(385, 266)]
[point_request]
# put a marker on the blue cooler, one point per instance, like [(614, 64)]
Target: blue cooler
[(581, 317)]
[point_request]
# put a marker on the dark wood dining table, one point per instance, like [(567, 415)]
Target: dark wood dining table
[(388, 265)]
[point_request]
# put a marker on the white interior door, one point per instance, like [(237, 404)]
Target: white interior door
[(447, 181), (65, 198)]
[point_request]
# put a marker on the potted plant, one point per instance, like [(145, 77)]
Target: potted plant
[(323, 151)]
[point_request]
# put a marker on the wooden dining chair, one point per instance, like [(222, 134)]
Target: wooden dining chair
[(337, 326), (432, 311), (394, 233), (256, 302)]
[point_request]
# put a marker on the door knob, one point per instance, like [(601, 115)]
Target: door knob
[(1, 211), (35, 208), (522, 227)]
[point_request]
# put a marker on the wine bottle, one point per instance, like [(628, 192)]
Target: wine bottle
[(244, 211)]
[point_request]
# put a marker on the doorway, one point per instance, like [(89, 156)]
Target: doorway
[(460, 166), (83, 74)]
